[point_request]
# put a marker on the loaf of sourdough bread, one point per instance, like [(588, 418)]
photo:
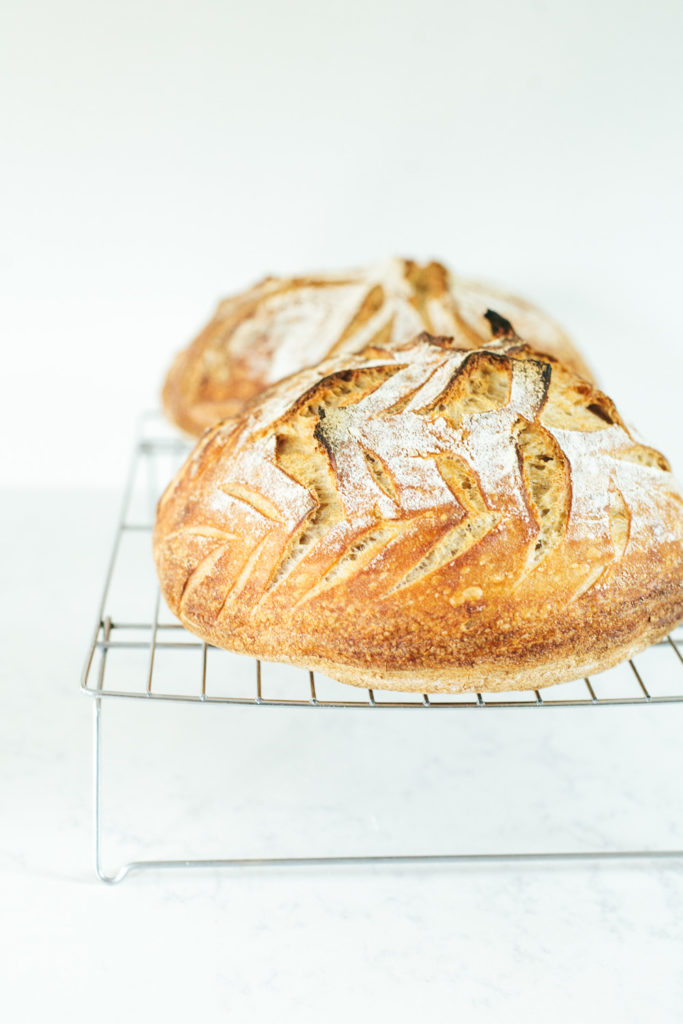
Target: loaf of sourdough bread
[(282, 325), (427, 518)]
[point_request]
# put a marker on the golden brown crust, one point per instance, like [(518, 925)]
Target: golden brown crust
[(427, 518), (282, 325)]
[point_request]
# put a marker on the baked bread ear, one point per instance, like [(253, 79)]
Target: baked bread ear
[(427, 518), (282, 325)]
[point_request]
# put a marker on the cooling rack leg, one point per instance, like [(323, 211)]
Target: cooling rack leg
[(97, 764), (97, 777)]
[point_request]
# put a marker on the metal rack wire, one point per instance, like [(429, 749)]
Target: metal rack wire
[(134, 631)]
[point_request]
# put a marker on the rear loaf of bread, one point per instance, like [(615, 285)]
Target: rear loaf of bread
[(427, 518), (282, 325)]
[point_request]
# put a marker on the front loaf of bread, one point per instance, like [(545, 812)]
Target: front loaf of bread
[(427, 518)]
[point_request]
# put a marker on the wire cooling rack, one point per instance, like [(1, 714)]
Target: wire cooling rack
[(140, 651)]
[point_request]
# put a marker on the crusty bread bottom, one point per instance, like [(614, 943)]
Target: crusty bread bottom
[(480, 678), (476, 679)]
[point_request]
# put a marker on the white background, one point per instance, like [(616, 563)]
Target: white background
[(155, 156), (158, 155)]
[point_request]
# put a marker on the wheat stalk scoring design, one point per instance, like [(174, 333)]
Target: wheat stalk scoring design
[(430, 442)]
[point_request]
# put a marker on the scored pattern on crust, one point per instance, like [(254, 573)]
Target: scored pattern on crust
[(280, 326), (426, 448)]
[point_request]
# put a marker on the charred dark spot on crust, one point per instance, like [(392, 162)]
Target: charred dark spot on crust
[(319, 435), (546, 377), (600, 412), (500, 327)]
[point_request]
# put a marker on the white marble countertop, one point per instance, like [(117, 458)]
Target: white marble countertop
[(503, 942)]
